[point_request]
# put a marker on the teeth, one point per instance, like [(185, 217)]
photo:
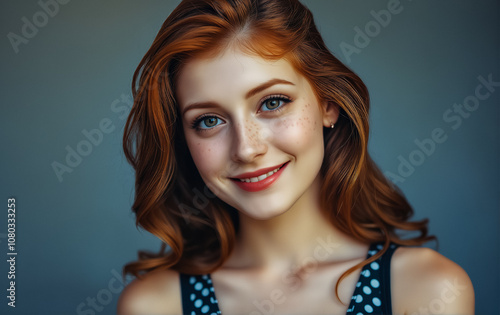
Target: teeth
[(261, 177)]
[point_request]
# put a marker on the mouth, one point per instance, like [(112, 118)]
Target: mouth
[(261, 182)]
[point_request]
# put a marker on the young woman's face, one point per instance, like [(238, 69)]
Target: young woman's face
[(243, 114)]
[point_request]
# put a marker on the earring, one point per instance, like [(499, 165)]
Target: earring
[(332, 125)]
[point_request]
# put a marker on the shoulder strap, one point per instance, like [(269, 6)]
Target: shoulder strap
[(198, 296), (372, 294), (386, 278)]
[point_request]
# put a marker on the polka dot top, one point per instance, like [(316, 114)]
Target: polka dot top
[(372, 294)]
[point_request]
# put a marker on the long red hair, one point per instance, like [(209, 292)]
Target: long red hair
[(357, 198)]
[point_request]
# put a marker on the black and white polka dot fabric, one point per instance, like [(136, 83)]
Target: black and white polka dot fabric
[(372, 294), (198, 295)]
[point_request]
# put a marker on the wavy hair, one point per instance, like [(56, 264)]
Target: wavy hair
[(171, 200)]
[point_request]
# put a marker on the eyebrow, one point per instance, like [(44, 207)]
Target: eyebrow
[(249, 94)]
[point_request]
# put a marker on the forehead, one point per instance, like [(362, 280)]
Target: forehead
[(229, 76)]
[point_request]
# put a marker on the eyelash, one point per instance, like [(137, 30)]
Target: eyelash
[(278, 97)]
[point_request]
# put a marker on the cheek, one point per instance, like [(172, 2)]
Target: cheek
[(208, 156), (299, 131)]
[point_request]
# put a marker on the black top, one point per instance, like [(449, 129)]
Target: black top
[(372, 294)]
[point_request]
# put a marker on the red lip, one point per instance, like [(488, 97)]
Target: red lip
[(262, 184), (257, 172)]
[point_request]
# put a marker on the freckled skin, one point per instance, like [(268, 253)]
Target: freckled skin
[(247, 138)]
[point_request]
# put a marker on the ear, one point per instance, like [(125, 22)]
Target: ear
[(330, 113)]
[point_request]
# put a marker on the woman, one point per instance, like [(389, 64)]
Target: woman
[(249, 142)]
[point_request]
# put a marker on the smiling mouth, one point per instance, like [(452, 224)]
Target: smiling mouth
[(261, 182), (255, 179), (259, 178)]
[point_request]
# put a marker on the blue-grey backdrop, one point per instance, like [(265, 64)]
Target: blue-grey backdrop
[(67, 69)]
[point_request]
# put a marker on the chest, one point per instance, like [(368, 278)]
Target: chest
[(307, 292)]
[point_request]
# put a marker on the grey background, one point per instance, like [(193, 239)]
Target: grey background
[(74, 235)]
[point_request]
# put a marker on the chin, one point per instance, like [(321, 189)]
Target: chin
[(263, 216), (266, 213)]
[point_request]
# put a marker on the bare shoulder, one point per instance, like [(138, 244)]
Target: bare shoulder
[(157, 293), (425, 282)]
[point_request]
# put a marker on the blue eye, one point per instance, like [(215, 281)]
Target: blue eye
[(208, 122), (275, 103)]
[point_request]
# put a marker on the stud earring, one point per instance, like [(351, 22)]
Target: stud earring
[(332, 125)]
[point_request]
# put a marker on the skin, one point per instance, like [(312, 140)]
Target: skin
[(277, 247), (249, 136)]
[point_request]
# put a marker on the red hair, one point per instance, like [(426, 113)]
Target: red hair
[(357, 198)]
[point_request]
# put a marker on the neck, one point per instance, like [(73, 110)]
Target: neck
[(293, 238)]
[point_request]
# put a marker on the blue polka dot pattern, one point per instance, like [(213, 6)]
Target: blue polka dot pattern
[(198, 296), (372, 295)]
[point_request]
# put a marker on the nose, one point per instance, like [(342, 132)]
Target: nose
[(249, 141)]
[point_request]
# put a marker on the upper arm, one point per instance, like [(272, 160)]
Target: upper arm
[(426, 282), (157, 293)]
